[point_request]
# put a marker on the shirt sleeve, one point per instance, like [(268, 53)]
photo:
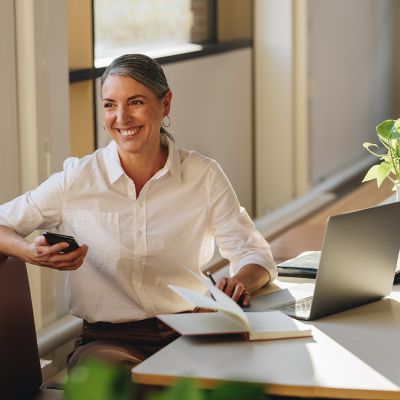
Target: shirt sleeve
[(40, 208), (234, 231)]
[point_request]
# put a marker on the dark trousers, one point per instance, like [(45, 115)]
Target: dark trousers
[(126, 344)]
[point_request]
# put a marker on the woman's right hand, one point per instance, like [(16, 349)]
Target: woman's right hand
[(42, 254)]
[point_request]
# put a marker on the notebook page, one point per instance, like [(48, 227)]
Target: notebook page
[(221, 303)]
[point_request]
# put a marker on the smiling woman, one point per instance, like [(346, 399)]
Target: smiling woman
[(146, 214), (133, 114)]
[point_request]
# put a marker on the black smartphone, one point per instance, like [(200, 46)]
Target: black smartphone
[(53, 238)]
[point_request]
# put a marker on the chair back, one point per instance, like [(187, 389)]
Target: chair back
[(20, 372)]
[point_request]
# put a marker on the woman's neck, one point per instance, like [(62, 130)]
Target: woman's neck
[(142, 167)]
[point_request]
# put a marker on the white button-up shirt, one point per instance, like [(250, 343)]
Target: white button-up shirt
[(137, 246)]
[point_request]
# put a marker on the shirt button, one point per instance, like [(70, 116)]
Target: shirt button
[(140, 203), (139, 232)]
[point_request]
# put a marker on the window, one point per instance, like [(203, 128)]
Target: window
[(153, 27)]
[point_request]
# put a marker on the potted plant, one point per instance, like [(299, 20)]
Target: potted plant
[(388, 133)]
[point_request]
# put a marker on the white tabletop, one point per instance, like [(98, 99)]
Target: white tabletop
[(352, 354)]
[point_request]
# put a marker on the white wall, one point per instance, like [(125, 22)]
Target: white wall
[(212, 113), (351, 70), (397, 60), (43, 118), (9, 158), (43, 88), (324, 78), (274, 108)]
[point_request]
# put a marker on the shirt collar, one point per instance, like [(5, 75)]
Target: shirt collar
[(173, 163), (112, 162), (115, 170)]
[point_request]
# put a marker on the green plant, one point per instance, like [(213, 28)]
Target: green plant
[(388, 133), (95, 380), (187, 389)]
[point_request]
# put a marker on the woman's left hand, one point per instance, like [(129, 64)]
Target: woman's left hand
[(250, 278), (234, 289)]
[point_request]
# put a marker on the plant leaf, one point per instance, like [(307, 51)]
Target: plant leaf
[(395, 133), (184, 389), (371, 174), (383, 171), (367, 145), (384, 128), (96, 380), (238, 391)]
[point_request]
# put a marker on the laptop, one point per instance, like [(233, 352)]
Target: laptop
[(357, 265)]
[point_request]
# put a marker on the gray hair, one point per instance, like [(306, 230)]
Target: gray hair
[(144, 70)]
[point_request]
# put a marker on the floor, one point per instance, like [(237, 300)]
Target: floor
[(308, 233)]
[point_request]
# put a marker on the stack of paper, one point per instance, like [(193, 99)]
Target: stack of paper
[(305, 265)]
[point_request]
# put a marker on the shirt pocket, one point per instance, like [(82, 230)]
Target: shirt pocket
[(100, 231)]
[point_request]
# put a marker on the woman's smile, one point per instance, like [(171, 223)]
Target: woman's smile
[(129, 132)]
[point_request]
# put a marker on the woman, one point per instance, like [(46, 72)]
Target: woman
[(145, 213)]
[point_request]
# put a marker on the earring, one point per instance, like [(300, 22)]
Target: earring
[(104, 127), (167, 123)]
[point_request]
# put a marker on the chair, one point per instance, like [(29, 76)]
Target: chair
[(20, 372)]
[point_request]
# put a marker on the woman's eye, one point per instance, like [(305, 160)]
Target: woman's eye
[(108, 105), (136, 103)]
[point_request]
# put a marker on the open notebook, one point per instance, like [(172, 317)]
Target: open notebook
[(229, 318)]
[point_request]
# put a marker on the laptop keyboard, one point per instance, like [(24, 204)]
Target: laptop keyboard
[(299, 307)]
